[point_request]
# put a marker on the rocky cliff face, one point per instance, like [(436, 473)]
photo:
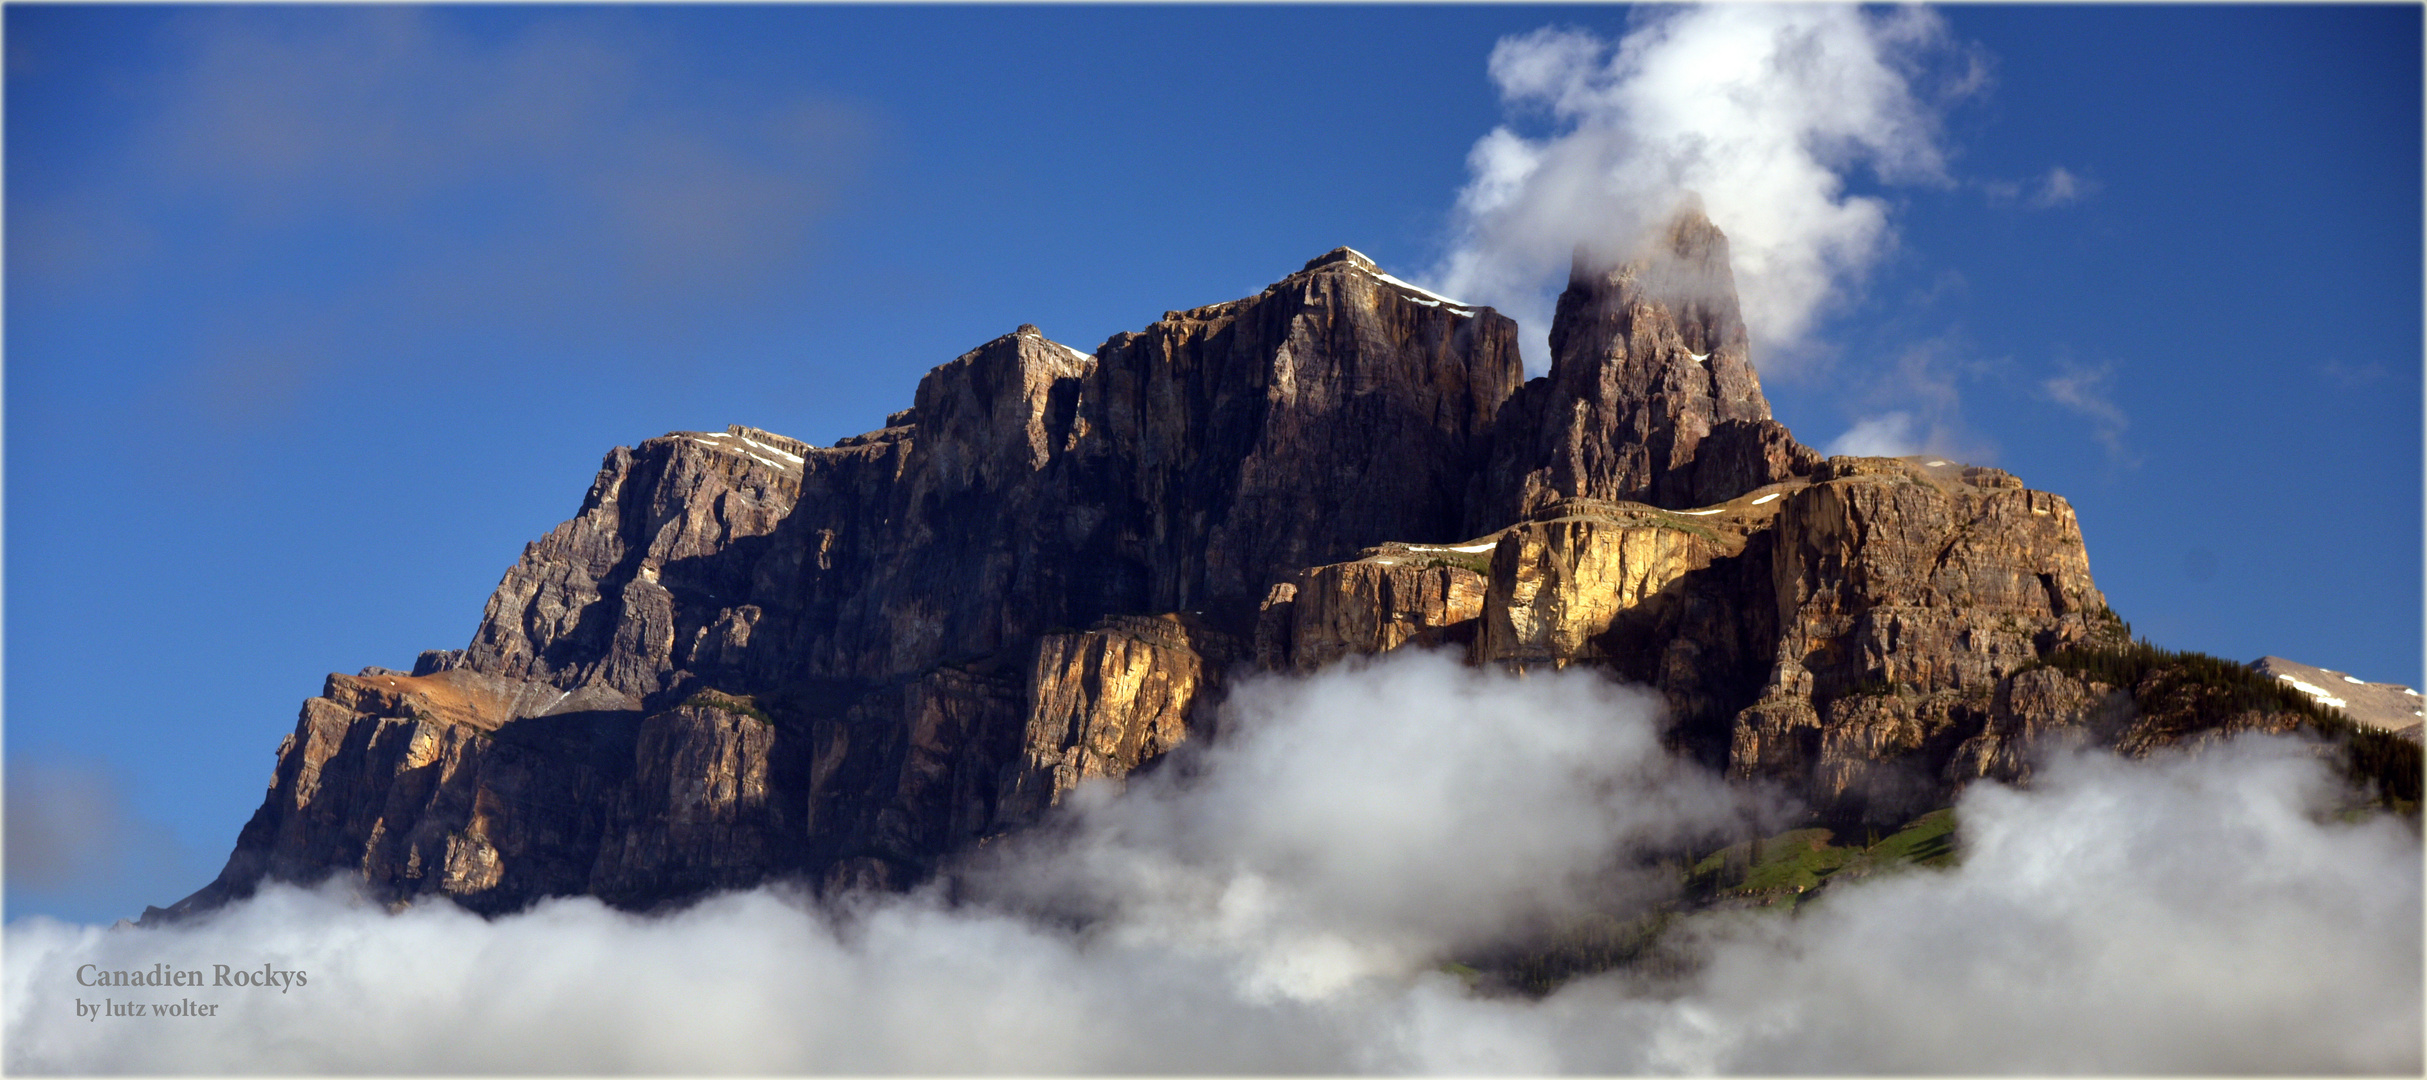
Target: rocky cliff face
[(1651, 396), (747, 658), (1907, 591)]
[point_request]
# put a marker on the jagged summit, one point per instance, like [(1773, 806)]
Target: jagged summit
[(765, 447), (1651, 395), (1677, 297), (1344, 258), (1348, 255), (746, 658)]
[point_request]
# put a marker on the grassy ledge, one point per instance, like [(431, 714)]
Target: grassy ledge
[(732, 703)]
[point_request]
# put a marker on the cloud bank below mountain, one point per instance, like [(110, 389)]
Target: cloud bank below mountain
[(1284, 899)]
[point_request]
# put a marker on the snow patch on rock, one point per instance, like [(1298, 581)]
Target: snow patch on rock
[(2317, 692)]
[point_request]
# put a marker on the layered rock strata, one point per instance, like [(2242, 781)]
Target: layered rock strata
[(899, 609), (746, 658), (1907, 590)]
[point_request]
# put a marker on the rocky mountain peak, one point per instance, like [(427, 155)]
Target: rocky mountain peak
[(1664, 327), (2384, 706), (747, 658), (999, 411), (1348, 255), (1651, 395)]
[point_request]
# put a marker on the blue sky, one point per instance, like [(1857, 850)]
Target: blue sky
[(316, 315)]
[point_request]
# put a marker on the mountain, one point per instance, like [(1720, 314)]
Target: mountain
[(746, 658), (2389, 706)]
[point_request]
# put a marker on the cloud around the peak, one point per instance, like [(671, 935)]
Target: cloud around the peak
[(1763, 113), (1285, 902)]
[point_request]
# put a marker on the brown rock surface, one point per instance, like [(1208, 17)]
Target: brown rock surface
[(2385, 706), (1103, 702), (1333, 411), (1906, 590), (1649, 361), (908, 774), (1558, 587), (1401, 594), (2033, 713), (594, 602), (749, 658), (456, 783), (701, 810), (893, 605)]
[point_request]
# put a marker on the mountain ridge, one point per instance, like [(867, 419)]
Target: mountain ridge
[(747, 658)]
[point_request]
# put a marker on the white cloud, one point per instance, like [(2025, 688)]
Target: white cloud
[(2191, 914), (1367, 819), (1888, 435), (1913, 403), (1760, 112), (1284, 910)]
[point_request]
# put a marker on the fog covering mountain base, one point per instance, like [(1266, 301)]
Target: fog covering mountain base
[(1251, 912), (1266, 655)]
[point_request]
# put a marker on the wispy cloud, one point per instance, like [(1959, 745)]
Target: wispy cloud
[(2351, 376), (2089, 392), (1913, 403), (1285, 904), (1760, 112), (482, 148), (2059, 186), (359, 188), (74, 840), (1887, 435)]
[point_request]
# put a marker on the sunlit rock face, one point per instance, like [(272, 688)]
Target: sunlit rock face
[(1907, 592), (1037, 575), (747, 658)]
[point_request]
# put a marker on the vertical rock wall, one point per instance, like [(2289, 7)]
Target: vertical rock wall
[(748, 658)]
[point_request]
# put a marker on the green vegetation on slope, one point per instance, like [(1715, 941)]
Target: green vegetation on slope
[(1779, 872), (732, 703), (1479, 562), (2188, 692), (1792, 866)]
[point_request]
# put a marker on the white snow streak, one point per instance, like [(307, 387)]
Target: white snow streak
[(777, 451), (746, 451), (2318, 692), (1375, 269), (1765, 498)]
